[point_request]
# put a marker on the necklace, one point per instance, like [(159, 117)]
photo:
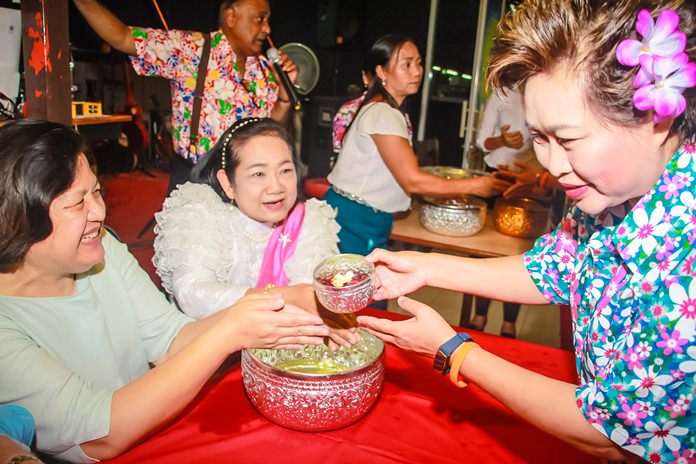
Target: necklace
[(255, 239)]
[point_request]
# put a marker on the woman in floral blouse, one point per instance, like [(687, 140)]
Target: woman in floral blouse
[(610, 99)]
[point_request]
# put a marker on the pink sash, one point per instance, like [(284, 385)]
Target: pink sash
[(280, 248)]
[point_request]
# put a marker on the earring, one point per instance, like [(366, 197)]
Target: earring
[(384, 82)]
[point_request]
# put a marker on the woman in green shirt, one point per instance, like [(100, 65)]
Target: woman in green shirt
[(80, 321)]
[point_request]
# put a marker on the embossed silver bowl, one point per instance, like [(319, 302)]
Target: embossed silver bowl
[(344, 283), (456, 217), (315, 389)]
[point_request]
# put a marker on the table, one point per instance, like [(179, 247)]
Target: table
[(488, 243), (419, 418)]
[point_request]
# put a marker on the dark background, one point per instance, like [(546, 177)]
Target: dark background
[(338, 31)]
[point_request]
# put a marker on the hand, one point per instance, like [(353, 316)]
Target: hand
[(342, 329), (287, 65), (266, 321), (424, 333), (511, 139), (526, 182), (487, 186), (396, 274)]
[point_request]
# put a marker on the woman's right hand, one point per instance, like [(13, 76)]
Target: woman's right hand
[(396, 273), (487, 186), (266, 321)]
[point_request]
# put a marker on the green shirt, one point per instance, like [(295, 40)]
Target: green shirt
[(62, 358)]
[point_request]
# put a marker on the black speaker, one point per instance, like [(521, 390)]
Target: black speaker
[(317, 145), (326, 23)]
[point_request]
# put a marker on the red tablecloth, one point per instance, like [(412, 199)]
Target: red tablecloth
[(419, 418)]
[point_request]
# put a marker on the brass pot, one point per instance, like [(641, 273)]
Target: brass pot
[(520, 217)]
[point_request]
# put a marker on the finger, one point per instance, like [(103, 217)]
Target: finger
[(378, 255), (289, 347), (302, 340), (332, 345), (298, 316), (254, 303), (505, 128), (387, 338), (276, 298), (412, 306), (378, 324)]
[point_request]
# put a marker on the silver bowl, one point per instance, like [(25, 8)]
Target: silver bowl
[(456, 217), (450, 172), (314, 388), (334, 287)]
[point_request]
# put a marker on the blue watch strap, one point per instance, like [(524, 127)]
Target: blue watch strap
[(441, 362)]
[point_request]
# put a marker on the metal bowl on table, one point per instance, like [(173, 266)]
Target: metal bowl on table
[(520, 217), (450, 172), (315, 389), (456, 217), (344, 283)]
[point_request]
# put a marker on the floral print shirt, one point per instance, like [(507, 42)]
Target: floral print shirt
[(345, 115), (176, 55), (629, 276)]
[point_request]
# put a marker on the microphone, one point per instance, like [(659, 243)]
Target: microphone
[(274, 57)]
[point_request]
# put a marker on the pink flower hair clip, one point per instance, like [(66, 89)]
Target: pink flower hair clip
[(665, 70)]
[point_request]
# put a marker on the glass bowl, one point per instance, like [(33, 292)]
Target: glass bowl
[(315, 389), (344, 283)]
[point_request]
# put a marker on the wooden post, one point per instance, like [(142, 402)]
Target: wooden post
[(46, 49)]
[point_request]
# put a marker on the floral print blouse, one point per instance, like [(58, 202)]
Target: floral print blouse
[(629, 276), (227, 97), (345, 115)]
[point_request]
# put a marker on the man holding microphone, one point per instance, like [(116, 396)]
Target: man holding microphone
[(239, 82)]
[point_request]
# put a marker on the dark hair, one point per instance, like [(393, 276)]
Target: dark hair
[(38, 160), (229, 145), (583, 36), (380, 54)]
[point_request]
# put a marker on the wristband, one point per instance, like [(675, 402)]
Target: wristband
[(457, 363)]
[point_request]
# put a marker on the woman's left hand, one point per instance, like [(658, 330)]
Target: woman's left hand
[(343, 328), (424, 333)]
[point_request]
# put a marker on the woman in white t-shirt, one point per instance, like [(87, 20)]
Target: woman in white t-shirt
[(377, 170)]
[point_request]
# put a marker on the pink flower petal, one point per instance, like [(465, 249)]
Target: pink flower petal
[(667, 23), (668, 102), (644, 24), (684, 78), (644, 98), (646, 63), (663, 66), (668, 46), (642, 78), (628, 52)]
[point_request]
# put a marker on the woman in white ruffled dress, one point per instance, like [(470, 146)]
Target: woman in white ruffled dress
[(238, 229)]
